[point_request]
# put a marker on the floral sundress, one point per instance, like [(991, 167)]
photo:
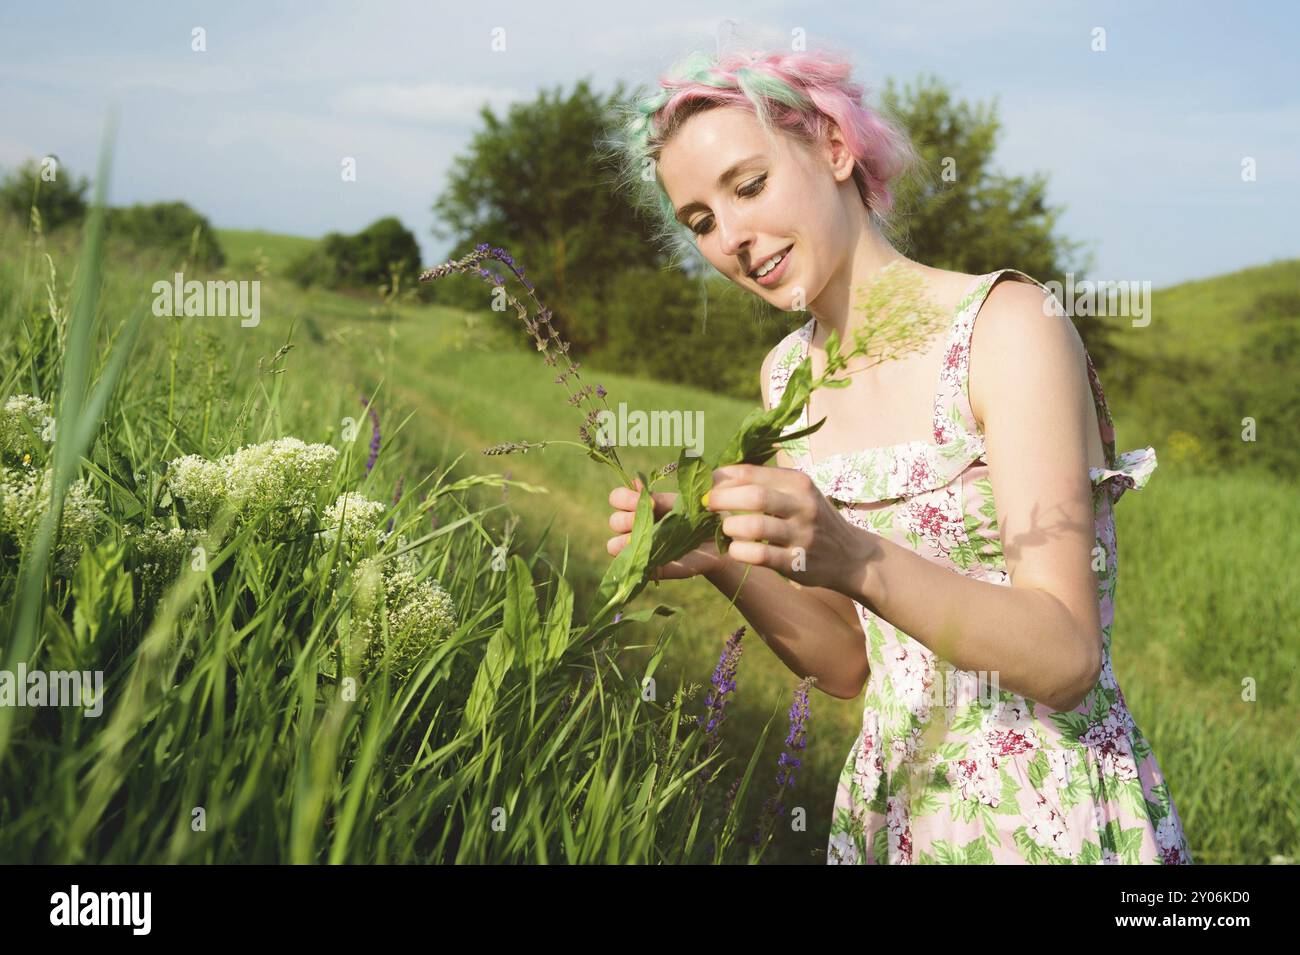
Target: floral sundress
[(949, 767)]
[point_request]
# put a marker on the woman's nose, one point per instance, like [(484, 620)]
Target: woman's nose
[(733, 236)]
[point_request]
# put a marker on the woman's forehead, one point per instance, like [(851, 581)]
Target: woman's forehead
[(700, 151)]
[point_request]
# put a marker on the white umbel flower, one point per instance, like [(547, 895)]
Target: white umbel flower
[(352, 514), (420, 614), (24, 499), (280, 475), (22, 416)]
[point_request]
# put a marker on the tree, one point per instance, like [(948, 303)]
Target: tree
[(174, 227), (533, 183), (370, 258), (958, 212), (56, 195)]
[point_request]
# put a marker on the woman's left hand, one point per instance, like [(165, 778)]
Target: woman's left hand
[(791, 526)]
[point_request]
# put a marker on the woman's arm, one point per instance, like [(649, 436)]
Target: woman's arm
[(1041, 635), (808, 636)]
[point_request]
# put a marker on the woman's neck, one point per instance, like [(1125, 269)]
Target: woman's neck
[(834, 307)]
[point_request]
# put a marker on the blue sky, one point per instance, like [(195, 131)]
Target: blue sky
[(1143, 143)]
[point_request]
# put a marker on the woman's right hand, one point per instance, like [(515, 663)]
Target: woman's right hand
[(703, 560)]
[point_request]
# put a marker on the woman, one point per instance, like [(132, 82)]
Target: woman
[(946, 540)]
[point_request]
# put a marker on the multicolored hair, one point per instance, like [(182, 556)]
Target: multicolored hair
[(798, 93)]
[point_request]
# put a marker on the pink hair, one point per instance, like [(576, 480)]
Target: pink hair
[(799, 93)]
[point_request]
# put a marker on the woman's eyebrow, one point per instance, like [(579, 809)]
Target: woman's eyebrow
[(727, 175)]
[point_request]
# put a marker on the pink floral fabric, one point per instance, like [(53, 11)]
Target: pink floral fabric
[(949, 767)]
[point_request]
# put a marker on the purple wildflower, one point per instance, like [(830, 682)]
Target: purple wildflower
[(374, 434), (724, 683), (795, 741), (545, 335)]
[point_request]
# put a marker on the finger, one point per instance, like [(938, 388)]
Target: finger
[(625, 499), (758, 527), (758, 554), (674, 570), (623, 521), (700, 561), (787, 479), (762, 498), (616, 544), (739, 473)]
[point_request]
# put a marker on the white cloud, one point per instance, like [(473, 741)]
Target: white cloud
[(441, 103)]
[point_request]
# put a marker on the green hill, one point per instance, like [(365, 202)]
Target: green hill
[(1205, 602), (244, 248)]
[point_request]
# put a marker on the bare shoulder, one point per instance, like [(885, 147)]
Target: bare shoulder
[(948, 286), (1021, 335)]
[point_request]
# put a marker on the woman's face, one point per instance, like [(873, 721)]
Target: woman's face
[(746, 199)]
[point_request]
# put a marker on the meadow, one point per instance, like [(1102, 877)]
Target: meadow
[(241, 726)]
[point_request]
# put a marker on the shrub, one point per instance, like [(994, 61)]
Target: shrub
[(171, 226), (365, 260), (56, 195)]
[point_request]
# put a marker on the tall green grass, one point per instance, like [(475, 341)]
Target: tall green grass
[(226, 735)]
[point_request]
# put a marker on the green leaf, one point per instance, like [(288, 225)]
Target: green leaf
[(880, 846), (952, 750), (1038, 769), (946, 853), (977, 852), (1070, 724), (522, 623), (559, 620), (626, 574), (491, 673), (102, 598), (1090, 854)]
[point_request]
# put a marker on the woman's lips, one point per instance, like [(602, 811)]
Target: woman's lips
[(771, 278)]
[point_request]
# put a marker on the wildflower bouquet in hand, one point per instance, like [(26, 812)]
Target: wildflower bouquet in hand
[(898, 318)]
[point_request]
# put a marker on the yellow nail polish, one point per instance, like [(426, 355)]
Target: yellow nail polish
[(704, 501)]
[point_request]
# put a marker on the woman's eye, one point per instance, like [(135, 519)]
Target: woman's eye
[(747, 191)]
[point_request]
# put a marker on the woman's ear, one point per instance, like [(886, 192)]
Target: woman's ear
[(838, 154)]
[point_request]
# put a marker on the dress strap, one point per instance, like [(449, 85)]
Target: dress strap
[(952, 405), (788, 353), (1132, 469)]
